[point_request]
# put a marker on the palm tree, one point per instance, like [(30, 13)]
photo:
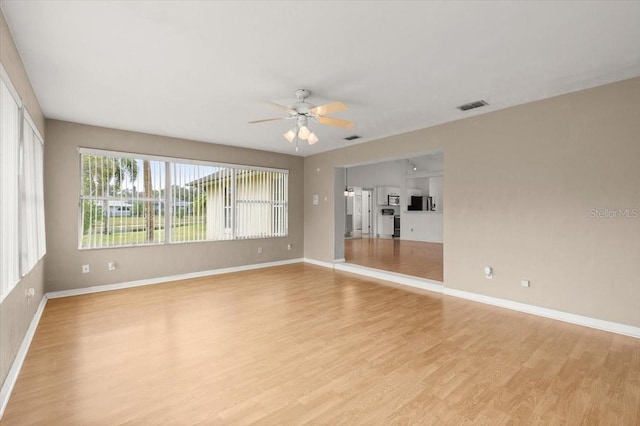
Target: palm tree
[(148, 192), (103, 176)]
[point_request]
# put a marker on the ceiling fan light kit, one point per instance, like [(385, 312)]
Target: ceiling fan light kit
[(304, 133), (312, 138), (290, 135), (303, 111)]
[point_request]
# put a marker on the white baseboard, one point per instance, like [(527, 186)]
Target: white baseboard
[(407, 280), (16, 366), (438, 287), (599, 324), (318, 263), (160, 280), (341, 260)]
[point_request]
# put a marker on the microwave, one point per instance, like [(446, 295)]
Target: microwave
[(393, 200)]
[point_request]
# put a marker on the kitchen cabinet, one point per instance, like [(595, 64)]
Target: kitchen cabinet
[(383, 192), (414, 192), (385, 225), (381, 195)]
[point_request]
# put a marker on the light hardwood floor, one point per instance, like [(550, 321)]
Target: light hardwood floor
[(414, 258), (303, 344)]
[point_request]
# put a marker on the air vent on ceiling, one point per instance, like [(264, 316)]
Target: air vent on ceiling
[(472, 105), (352, 137)]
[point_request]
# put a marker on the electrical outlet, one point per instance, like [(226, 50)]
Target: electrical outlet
[(488, 272), (525, 283), (30, 292), (111, 265), (288, 246), (259, 250), (85, 269)]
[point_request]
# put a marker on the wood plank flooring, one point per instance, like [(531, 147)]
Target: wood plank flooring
[(423, 260), (302, 344)]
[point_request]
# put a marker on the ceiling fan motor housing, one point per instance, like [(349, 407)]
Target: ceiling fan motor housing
[(302, 94), (302, 120), (302, 106)]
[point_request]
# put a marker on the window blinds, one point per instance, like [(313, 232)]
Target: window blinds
[(131, 199), (22, 229), (33, 241), (9, 185)]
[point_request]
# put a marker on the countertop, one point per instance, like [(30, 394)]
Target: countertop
[(420, 211)]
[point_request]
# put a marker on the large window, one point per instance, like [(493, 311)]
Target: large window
[(33, 240), (132, 199), (22, 236)]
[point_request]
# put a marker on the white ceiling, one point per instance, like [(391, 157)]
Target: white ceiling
[(195, 69)]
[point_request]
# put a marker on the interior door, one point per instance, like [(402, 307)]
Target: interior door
[(366, 212)]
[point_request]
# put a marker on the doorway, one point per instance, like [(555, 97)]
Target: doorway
[(412, 243), (359, 213)]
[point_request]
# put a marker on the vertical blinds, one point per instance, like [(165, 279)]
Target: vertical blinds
[(133, 200), (201, 202), (33, 237), (9, 190), (260, 203), (22, 232), (116, 194)]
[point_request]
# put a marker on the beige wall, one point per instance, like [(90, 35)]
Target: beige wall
[(15, 315), (519, 186), (12, 62), (64, 260)]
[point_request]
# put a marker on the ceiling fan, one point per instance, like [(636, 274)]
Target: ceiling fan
[(303, 112)]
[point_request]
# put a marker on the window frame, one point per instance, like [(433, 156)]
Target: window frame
[(40, 233), (169, 200), (13, 271), (25, 257)]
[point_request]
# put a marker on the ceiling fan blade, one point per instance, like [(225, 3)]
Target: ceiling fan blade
[(328, 108), (268, 119), (336, 122), (282, 107)]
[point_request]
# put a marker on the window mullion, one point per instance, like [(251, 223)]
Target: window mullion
[(232, 213), (22, 247), (168, 206)]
